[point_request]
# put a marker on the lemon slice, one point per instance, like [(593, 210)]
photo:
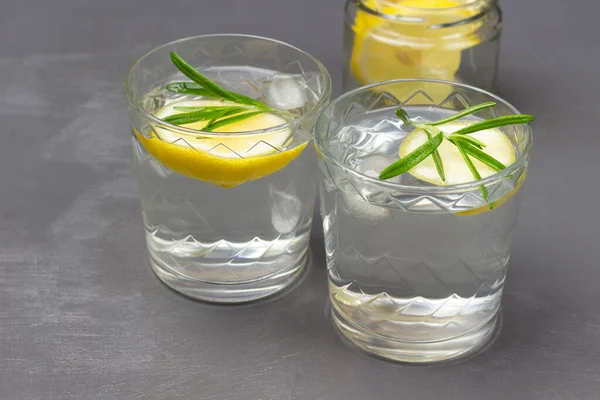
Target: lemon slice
[(385, 50), (233, 146), (456, 170), (496, 203), (224, 160)]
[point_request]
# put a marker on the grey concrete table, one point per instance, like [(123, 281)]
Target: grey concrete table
[(81, 315)]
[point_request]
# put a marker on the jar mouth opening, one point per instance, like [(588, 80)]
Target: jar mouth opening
[(417, 14)]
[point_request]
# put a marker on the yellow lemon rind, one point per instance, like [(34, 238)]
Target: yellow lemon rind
[(220, 171), (495, 204)]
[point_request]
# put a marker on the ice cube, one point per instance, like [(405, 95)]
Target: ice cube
[(286, 92), (285, 210), (368, 214), (373, 165)]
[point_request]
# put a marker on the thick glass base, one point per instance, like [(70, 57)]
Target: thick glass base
[(413, 352), (232, 293)]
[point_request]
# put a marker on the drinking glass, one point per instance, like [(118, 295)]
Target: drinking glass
[(227, 216), (416, 271)]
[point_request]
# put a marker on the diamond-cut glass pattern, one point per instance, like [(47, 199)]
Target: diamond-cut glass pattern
[(251, 224), (356, 143), (206, 235), (405, 261)]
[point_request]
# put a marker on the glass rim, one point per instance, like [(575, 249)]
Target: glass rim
[(520, 160), (394, 17), (323, 98)]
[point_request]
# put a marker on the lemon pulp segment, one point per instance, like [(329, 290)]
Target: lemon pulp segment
[(223, 160)]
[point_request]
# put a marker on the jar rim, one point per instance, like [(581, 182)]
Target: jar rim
[(484, 5)]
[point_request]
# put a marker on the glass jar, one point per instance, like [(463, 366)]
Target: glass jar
[(453, 40)]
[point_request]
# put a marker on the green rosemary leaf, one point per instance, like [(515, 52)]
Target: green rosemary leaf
[(495, 122), (201, 108), (475, 142), (216, 117), (188, 108), (211, 86), (465, 112), (208, 113), (437, 159), (476, 175), (241, 99), (403, 116), (199, 78), (186, 118), (481, 156), (211, 126), (412, 159), (189, 88)]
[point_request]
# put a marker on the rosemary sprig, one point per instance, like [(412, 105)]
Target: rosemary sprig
[(480, 155), (189, 88), (468, 146), (414, 158), (212, 125), (476, 174), (477, 143), (236, 107), (437, 159), (209, 85), (204, 114), (463, 113), (221, 114), (495, 122)]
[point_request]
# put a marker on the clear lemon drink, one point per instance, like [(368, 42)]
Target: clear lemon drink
[(416, 265), (228, 211)]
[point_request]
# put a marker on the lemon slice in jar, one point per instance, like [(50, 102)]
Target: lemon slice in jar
[(387, 49), (223, 160)]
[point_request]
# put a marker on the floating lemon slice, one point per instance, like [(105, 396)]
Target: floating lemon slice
[(385, 50), (224, 160), (455, 169), (496, 203)]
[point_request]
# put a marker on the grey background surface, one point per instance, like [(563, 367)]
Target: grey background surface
[(81, 315)]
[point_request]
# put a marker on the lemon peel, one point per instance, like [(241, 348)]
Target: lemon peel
[(223, 160)]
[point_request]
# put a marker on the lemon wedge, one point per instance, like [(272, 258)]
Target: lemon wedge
[(386, 49), (456, 170), (223, 160)]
